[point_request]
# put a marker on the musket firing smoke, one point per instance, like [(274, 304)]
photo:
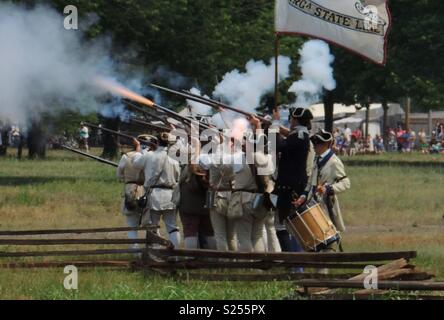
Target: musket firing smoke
[(317, 73), (118, 89)]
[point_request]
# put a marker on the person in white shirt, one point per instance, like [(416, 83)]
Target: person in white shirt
[(133, 180), (347, 134), (84, 136), (265, 170), (221, 178), (161, 177)]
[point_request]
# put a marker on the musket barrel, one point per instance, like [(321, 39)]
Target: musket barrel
[(90, 156), (218, 104), (167, 111), (110, 131), (147, 124), (179, 117), (209, 102), (142, 110), (214, 103)]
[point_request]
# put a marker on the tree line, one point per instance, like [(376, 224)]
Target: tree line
[(204, 39)]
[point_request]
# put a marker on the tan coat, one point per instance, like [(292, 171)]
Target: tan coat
[(160, 171), (333, 175), (133, 180)]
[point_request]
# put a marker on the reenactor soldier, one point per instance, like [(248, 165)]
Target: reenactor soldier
[(133, 180), (327, 180), (221, 178), (293, 154), (249, 220), (263, 210), (161, 178), (195, 217)]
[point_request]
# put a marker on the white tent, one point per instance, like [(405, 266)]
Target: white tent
[(339, 111), (376, 118)]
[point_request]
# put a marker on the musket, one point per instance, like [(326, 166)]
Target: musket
[(179, 117), (218, 105), (90, 156), (210, 102), (117, 133), (150, 125), (170, 112), (120, 90), (144, 111), (147, 113)]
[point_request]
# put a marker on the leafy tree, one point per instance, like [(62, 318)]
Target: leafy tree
[(204, 39)]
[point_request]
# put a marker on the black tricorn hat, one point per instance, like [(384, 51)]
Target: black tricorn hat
[(301, 113), (322, 137)]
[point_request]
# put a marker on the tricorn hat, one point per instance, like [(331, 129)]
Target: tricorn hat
[(301, 113), (322, 137)]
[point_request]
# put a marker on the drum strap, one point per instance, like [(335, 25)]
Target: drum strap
[(321, 163)]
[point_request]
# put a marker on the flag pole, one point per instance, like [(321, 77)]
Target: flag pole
[(276, 71)]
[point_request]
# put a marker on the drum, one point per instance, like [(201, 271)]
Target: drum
[(313, 228)]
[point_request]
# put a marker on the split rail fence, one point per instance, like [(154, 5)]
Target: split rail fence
[(324, 275)]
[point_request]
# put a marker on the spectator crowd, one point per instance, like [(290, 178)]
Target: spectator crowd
[(348, 142)]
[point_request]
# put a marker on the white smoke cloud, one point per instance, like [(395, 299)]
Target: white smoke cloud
[(239, 127), (43, 66), (219, 121), (172, 78), (199, 108), (317, 73), (245, 90)]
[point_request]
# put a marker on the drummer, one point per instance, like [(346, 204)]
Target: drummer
[(294, 153), (328, 179)]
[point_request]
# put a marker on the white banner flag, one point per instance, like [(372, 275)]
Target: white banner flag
[(361, 26)]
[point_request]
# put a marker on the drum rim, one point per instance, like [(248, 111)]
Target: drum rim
[(304, 212), (316, 248), (329, 241)]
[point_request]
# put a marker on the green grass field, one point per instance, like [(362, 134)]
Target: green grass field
[(388, 208)]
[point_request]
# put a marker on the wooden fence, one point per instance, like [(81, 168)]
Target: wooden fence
[(156, 255)]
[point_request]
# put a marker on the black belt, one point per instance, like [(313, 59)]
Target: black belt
[(162, 187)]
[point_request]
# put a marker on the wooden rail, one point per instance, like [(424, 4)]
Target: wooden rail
[(73, 231), (261, 265), (53, 242), (382, 285), (61, 264), (260, 277), (290, 257), (70, 253)]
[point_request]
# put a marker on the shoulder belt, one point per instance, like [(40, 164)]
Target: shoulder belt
[(324, 161)]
